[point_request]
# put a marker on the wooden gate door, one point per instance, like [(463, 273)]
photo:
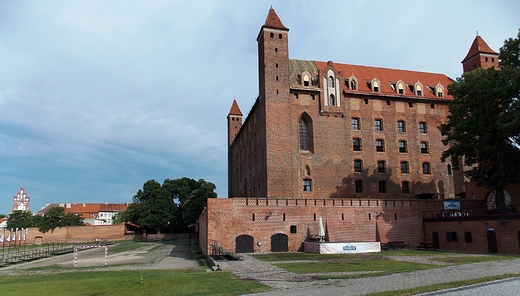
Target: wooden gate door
[(279, 243), (244, 244), (435, 237)]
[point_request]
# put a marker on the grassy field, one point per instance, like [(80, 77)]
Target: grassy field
[(154, 282), (369, 265)]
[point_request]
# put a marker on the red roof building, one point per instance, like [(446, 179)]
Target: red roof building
[(92, 213)]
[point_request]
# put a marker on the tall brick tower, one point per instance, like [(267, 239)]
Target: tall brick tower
[(274, 99), (234, 120), (480, 55)]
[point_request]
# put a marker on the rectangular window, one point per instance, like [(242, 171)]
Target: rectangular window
[(406, 187), (357, 144), (378, 125), (380, 145), (423, 128), (359, 186), (426, 168), (355, 124), (405, 169), (424, 148), (296, 96), (401, 126), (382, 186), (312, 97), (467, 237), (403, 147), (358, 166), (381, 167), (307, 185)]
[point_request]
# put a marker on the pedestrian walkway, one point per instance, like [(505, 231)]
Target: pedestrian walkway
[(288, 283)]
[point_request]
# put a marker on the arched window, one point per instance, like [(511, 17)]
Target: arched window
[(305, 130), (307, 171), (332, 100), (331, 81), (304, 143)]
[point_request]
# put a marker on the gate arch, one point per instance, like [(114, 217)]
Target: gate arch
[(244, 244), (279, 243)]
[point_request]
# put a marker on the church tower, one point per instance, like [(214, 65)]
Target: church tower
[(21, 201), (480, 55)]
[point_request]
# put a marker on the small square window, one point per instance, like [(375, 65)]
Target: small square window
[(307, 185), (296, 96), (381, 167), (410, 104), (293, 229), (403, 147), (359, 186), (355, 124), (378, 125), (401, 126), (405, 167), (424, 148), (380, 145), (358, 166), (382, 186), (406, 187), (426, 168), (388, 102), (423, 128), (356, 144), (366, 101)]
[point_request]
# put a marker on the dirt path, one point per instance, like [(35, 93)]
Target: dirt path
[(148, 256)]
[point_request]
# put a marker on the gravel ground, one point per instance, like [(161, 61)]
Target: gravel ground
[(149, 256)]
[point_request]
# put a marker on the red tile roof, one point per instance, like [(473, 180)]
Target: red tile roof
[(387, 76), (235, 110), (478, 46), (85, 209), (273, 21)]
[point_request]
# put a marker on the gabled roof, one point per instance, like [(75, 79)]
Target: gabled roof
[(85, 209), (386, 76), (478, 46), (235, 110), (273, 21)]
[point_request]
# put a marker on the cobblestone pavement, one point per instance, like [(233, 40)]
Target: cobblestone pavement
[(288, 283), (507, 287)]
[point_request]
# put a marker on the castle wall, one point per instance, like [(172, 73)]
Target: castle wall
[(345, 220)]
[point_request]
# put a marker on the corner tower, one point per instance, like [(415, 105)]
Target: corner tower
[(234, 121), (480, 55)]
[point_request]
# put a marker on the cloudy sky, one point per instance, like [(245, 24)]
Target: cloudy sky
[(97, 97)]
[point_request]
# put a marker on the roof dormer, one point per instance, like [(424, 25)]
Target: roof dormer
[(306, 79), (439, 90), (375, 85), (352, 83), (399, 87), (418, 89)]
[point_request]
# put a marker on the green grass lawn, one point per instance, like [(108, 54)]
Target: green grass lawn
[(380, 266), (155, 282)]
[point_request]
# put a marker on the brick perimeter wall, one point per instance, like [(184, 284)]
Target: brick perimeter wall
[(76, 233), (345, 220)]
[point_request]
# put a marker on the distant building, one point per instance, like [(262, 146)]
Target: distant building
[(92, 213), (21, 201)]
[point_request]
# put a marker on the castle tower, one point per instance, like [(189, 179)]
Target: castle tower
[(480, 55), (234, 119), (21, 201)]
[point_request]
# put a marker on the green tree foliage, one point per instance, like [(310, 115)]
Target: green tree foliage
[(176, 202), (482, 130), (191, 196), (56, 217), (20, 219)]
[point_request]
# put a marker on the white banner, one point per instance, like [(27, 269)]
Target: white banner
[(341, 248)]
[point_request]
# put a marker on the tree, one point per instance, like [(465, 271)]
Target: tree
[(154, 205), (176, 202), (191, 196), (482, 130), (56, 217), (20, 219)]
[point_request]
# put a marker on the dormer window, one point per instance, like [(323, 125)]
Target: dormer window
[(439, 90), (418, 89), (375, 85), (306, 79), (400, 88), (352, 82)]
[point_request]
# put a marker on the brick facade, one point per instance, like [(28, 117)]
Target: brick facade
[(357, 146)]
